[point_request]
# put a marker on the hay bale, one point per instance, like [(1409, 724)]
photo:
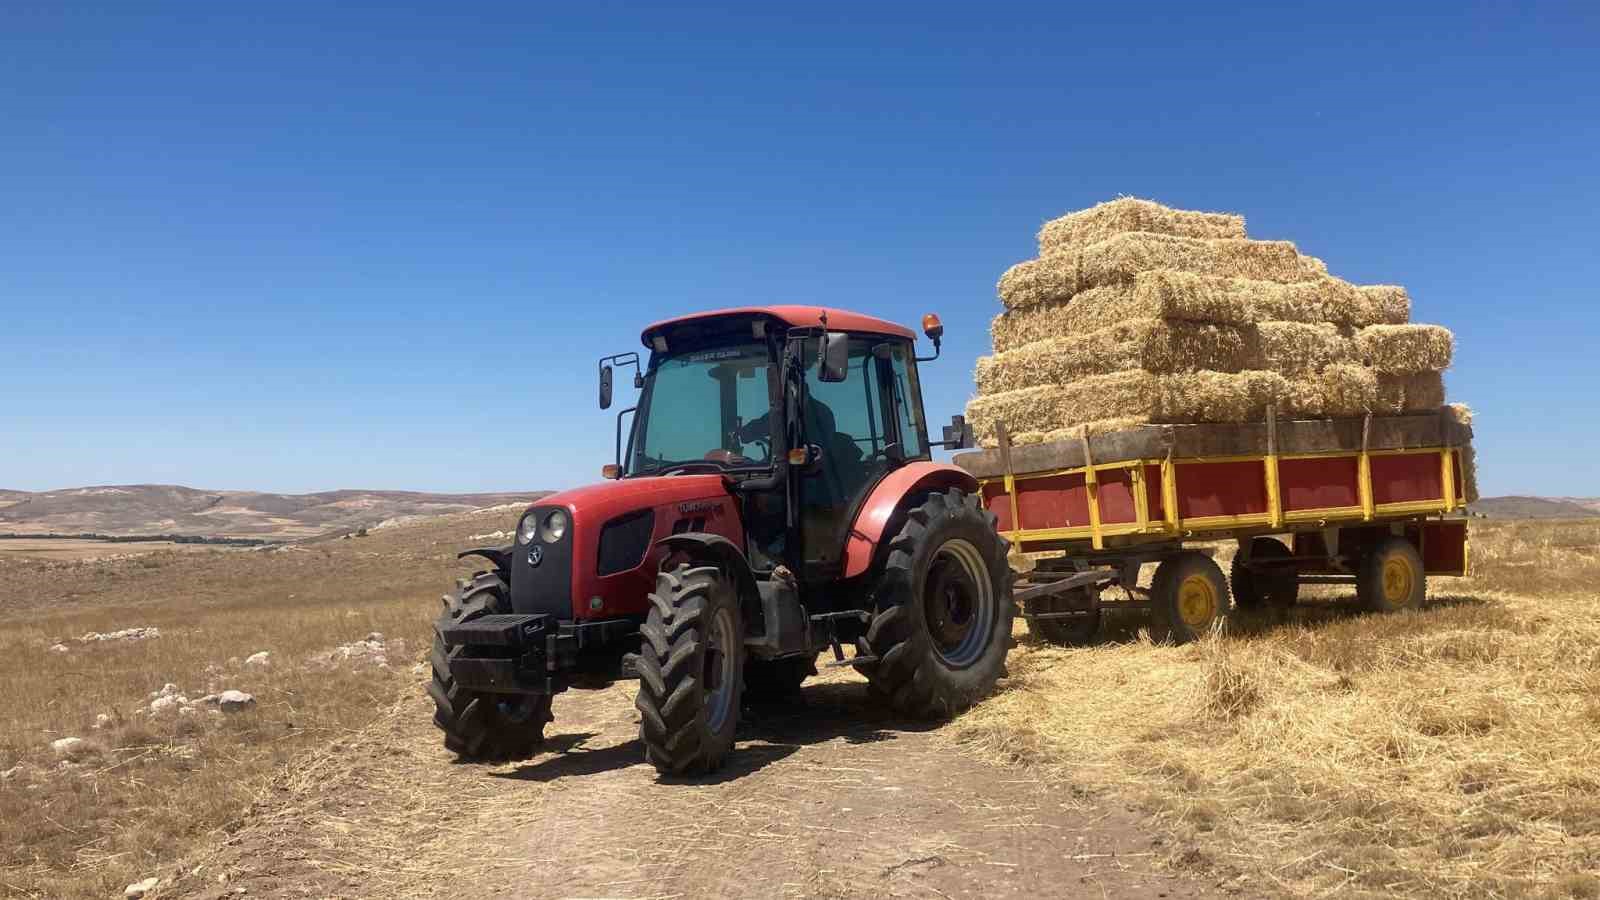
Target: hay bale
[(1121, 257), (1132, 214), (1038, 281), (1133, 396), (1337, 391), (1417, 392), (1388, 304), (1293, 348), (1405, 349), (1169, 294), (1154, 345)]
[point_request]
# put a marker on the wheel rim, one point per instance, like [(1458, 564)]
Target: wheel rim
[(1197, 602), (959, 603), (520, 711), (1398, 580), (720, 677)]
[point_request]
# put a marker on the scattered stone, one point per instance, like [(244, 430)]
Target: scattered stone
[(66, 746), (167, 690), (209, 700), (262, 659), (235, 701), (370, 650), (11, 773), (101, 721), (138, 889), (491, 536), (233, 662), (144, 633), (60, 648), (419, 669), (186, 710)]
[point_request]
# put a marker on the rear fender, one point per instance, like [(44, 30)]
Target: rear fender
[(716, 550), (887, 499)]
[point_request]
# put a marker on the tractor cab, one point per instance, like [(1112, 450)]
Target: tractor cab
[(773, 497), (801, 416)]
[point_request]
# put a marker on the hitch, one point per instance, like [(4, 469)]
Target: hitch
[(831, 622)]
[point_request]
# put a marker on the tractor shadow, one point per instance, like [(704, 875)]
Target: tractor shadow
[(769, 732)]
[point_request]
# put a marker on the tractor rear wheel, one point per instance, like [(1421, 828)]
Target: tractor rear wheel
[(1391, 577), (691, 668), (477, 725), (938, 640)]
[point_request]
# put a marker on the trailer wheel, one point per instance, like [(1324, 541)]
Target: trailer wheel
[(943, 622), (1077, 631), (1268, 587), (1188, 597), (777, 679), (1391, 577), (476, 725), (691, 667)]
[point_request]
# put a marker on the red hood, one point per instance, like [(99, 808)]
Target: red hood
[(608, 499)]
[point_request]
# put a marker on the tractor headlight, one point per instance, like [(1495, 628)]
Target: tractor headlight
[(554, 527), (527, 528)]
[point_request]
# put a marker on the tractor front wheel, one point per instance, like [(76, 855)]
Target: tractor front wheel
[(691, 668), (938, 640), (475, 725)]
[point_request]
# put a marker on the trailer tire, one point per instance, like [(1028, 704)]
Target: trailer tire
[(481, 726), (691, 666), (777, 679), (943, 605), (1188, 598), (1391, 577), (1079, 631), (1257, 590)]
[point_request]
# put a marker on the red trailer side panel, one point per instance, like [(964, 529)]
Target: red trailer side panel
[(1221, 489), (1320, 483), (1401, 479), (1116, 497), (1444, 547)]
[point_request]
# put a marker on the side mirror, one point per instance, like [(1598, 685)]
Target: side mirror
[(605, 387), (958, 435), (835, 357)]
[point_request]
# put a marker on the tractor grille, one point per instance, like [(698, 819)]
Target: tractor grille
[(624, 540), (547, 587)]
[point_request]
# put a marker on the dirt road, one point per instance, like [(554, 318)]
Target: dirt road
[(824, 797)]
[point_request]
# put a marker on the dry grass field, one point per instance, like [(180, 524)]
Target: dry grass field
[(1448, 752), (144, 788)]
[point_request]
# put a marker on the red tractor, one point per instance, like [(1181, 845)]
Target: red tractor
[(774, 497)]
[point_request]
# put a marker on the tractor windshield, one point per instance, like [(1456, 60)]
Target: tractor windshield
[(706, 409)]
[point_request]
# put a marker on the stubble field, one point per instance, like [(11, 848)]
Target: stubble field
[(1447, 752)]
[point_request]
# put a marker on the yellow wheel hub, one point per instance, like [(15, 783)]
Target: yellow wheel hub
[(1197, 602), (1398, 580)]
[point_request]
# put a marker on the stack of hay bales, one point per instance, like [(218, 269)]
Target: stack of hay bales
[(1136, 313)]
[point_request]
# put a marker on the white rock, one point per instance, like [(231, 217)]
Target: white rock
[(262, 659), (375, 637), (233, 661), (186, 710), (102, 720), (167, 690), (11, 773), (235, 701), (66, 745), (163, 704), (209, 700), (139, 888), (419, 669), (60, 648), (126, 634)]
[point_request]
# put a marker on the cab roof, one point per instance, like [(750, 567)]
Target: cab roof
[(793, 316)]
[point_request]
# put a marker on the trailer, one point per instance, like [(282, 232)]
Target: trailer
[(1372, 502)]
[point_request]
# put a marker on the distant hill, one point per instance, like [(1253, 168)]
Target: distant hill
[(1532, 507), (143, 509)]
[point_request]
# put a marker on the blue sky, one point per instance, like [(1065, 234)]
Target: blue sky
[(306, 246)]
